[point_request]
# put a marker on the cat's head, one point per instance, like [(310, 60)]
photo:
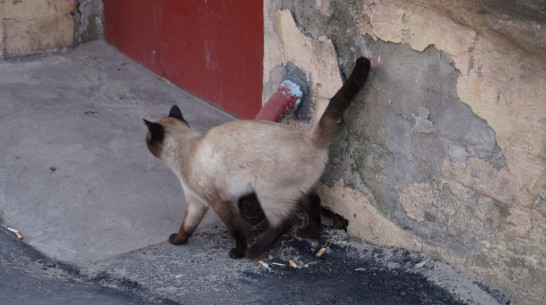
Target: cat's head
[(158, 132)]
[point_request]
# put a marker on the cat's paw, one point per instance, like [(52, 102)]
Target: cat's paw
[(236, 253), (175, 239)]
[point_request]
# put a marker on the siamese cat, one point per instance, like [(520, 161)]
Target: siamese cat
[(276, 163)]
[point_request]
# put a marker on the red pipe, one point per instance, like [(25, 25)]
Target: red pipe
[(287, 98)]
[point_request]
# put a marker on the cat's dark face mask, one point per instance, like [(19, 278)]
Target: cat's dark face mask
[(156, 131)]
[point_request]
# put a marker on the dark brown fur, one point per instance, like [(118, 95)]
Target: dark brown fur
[(327, 126)]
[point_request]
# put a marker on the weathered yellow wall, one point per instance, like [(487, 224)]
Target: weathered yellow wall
[(499, 54), (34, 26)]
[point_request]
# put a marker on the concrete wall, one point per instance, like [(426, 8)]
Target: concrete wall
[(37, 26), (445, 150)]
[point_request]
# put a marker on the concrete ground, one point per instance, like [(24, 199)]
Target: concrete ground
[(77, 181)]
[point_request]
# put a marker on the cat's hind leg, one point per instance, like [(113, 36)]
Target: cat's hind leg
[(229, 214), (195, 211), (311, 204), (277, 211), (267, 239)]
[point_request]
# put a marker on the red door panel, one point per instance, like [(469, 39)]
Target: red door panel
[(133, 26), (213, 48)]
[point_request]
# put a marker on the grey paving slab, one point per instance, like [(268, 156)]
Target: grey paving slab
[(75, 175)]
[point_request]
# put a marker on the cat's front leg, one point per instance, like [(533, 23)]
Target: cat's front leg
[(195, 211)]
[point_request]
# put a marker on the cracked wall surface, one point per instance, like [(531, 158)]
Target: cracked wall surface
[(445, 150), (88, 20)]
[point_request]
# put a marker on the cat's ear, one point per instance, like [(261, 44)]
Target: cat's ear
[(157, 131), (177, 114)]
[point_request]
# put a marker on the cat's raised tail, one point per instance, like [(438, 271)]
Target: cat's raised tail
[(328, 123)]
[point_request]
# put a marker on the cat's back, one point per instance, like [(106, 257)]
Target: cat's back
[(257, 133), (252, 141), (242, 156)]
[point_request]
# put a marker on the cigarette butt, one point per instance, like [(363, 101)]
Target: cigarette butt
[(292, 263), (19, 236), (261, 262), (321, 252), (379, 59), (278, 264)]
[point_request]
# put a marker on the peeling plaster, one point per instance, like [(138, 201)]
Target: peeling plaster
[(446, 145), (353, 205), (489, 83)]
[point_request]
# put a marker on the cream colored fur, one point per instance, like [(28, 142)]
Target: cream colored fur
[(277, 162)]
